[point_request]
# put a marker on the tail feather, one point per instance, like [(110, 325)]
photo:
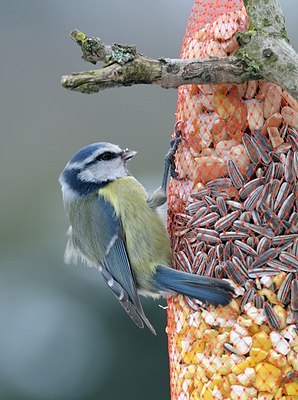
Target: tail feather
[(207, 290)]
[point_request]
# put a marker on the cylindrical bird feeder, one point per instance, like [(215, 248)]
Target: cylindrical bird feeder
[(234, 215)]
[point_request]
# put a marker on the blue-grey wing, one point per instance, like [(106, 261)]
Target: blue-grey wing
[(116, 268)]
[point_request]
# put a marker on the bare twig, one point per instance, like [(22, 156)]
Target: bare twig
[(264, 53)]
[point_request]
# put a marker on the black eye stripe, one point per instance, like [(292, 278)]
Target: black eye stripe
[(106, 156)]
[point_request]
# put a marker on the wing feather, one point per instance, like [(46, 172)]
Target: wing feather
[(116, 263)]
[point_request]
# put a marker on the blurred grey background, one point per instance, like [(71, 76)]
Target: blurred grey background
[(62, 334)]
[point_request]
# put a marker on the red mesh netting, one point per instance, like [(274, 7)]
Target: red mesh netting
[(233, 215)]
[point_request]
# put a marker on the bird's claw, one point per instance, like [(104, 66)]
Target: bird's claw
[(174, 143)]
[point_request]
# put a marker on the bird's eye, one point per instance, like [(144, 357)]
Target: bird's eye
[(107, 156)]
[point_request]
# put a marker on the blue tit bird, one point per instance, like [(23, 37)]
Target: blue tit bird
[(115, 227)]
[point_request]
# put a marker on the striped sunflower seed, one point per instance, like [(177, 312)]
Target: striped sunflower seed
[(263, 245), (263, 141), (226, 222), (233, 274), (280, 266), (234, 205), (269, 176), (295, 163), (219, 271), (209, 239), (250, 149), (249, 187), (195, 206), (231, 235), (247, 297), (281, 239), (221, 205), (283, 294), (263, 258), (286, 208), (197, 216), (282, 195), (256, 217), (219, 183), (289, 259), (289, 169), (234, 173), (247, 228), (200, 195), (240, 266), (208, 219), (259, 301), (253, 199), (273, 221), (259, 272), (273, 320), (246, 248), (279, 171), (220, 252), (245, 216), (263, 154), (294, 295), (294, 250), (231, 349), (293, 220)]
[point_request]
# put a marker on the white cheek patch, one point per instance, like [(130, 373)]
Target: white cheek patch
[(103, 171)]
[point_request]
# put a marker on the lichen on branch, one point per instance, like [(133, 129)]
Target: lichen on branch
[(264, 53)]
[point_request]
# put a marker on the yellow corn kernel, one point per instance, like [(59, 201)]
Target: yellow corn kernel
[(187, 386), (289, 398), (225, 386), (242, 392), (199, 381), (206, 394), (292, 388), (234, 306), (255, 328), (189, 354), (232, 379), (210, 370), (267, 377), (271, 296), (209, 335), (278, 394), (261, 341), (238, 368), (215, 381), (198, 385), (276, 359), (226, 365), (278, 279), (244, 320), (293, 359), (257, 354), (196, 394), (247, 377), (282, 315), (265, 328), (190, 371), (265, 396)]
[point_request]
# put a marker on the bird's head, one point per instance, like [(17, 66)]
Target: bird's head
[(92, 167)]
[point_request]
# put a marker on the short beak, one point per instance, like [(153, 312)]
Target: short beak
[(128, 154)]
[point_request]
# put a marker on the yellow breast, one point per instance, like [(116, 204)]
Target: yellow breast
[(146, 237)]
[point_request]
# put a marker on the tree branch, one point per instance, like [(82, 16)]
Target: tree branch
[(264, 53)]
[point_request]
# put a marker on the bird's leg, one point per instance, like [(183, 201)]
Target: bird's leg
[(159, 197)]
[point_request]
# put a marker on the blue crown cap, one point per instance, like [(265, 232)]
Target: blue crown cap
[(85, 152)]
